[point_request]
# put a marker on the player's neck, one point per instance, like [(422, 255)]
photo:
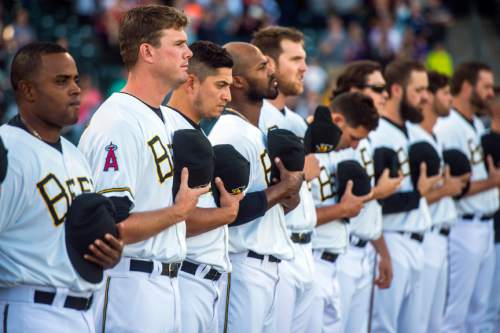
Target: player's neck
[(146, 88), (249, 109), (279, 102), (181, 103), (463, 106), (39, 128), (430, 119), (392, 113)]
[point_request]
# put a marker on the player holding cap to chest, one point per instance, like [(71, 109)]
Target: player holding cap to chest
[(127, 145), (440, 200), (285, 49), (204, 94), (355, 267), (356, 116), (471, 245), (41, 288), (405, 213), (258, 242)]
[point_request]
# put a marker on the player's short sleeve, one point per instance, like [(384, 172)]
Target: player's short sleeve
[(296, 124), (13, 197), (114, 154)]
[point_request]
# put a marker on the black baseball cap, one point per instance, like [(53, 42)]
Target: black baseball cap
[(232, 168), (288, 147), (192, 149), (352, 170), (89, 217), (457, 161), (322, 135), (3, 161), (385, 158), (491, 147), (423, 152)]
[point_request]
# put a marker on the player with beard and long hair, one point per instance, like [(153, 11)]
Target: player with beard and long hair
[(256, 246), (471, 246), (405, 213)]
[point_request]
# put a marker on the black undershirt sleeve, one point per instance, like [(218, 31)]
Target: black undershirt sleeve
[(253, 206), (400, 202), (123, 206)]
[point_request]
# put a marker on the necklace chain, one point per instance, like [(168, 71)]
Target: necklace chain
[(30, 129)]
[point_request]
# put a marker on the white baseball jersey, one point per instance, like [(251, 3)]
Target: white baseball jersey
[(267, 234), (442, 211), (394, 137), (40, 185), (331, 236), (368, 223), (303, 217), (456, 132), (126, 144), (210, 247)]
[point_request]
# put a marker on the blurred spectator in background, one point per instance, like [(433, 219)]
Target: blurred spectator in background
[(333, 45)]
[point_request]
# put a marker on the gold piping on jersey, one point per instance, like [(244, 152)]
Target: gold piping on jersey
[(105, 308), (117, 189), (226, 312)]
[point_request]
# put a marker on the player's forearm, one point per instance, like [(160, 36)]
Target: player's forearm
[(381, 247), (141, 226), (205, 219), (480, 186), (275, 194), (435, 195), (329, 213)]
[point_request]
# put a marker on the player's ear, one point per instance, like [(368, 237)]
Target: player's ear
[(338, 119), (191, 83), (396, 91), (146, 52), (26, 90), (238, 82)]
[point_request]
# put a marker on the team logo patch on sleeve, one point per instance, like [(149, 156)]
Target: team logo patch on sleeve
[(111, 162)]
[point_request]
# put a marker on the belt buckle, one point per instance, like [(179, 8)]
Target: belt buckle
[(302, 237), (88, 302), (173, 269)]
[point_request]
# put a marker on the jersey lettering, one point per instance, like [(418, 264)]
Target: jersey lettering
[(404, 163), (326, 186), (476, 152), (266, 165), (162, 158), (56, 197), (367, 161), (111, 161)]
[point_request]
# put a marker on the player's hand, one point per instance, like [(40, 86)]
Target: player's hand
[(311, 167), (351, 203), (291, 179), (105, 252), (187, 198), (425, 184), (290, 202), (386, 185), (452, 186), (228, 201), (493, 171), (384, 278)]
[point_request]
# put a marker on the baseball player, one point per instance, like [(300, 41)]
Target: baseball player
[(355, 266), (356, 116), (441, 206), (40, 290), (405, 213), (127, 145), (204, 94), (471, 245), (295, 293), (258, 246)]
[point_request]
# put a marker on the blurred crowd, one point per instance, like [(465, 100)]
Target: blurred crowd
[(337, 31)]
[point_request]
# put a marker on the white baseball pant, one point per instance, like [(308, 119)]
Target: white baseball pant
[(248, 295), (397, 308), (472, 262), (493, 315), (19, 313)]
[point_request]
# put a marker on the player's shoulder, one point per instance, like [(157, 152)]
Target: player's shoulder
[(174, 120)]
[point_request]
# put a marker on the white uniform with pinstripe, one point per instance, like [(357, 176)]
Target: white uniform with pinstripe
[(126, 144), (471, 244)]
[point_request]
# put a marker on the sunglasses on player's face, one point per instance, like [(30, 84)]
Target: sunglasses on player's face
[(375, 88)]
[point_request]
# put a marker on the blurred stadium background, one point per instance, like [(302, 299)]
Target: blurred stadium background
[(440, 33)]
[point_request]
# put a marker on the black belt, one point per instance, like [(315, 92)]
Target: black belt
[(255, 255), (191, 268), (485, 217), (444, 231), (329, 256), (171, 270), (71, 302), (358, 242), (415, 236), (301, 237)]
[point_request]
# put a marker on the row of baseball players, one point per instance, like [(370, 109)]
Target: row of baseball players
[(288, 272)]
